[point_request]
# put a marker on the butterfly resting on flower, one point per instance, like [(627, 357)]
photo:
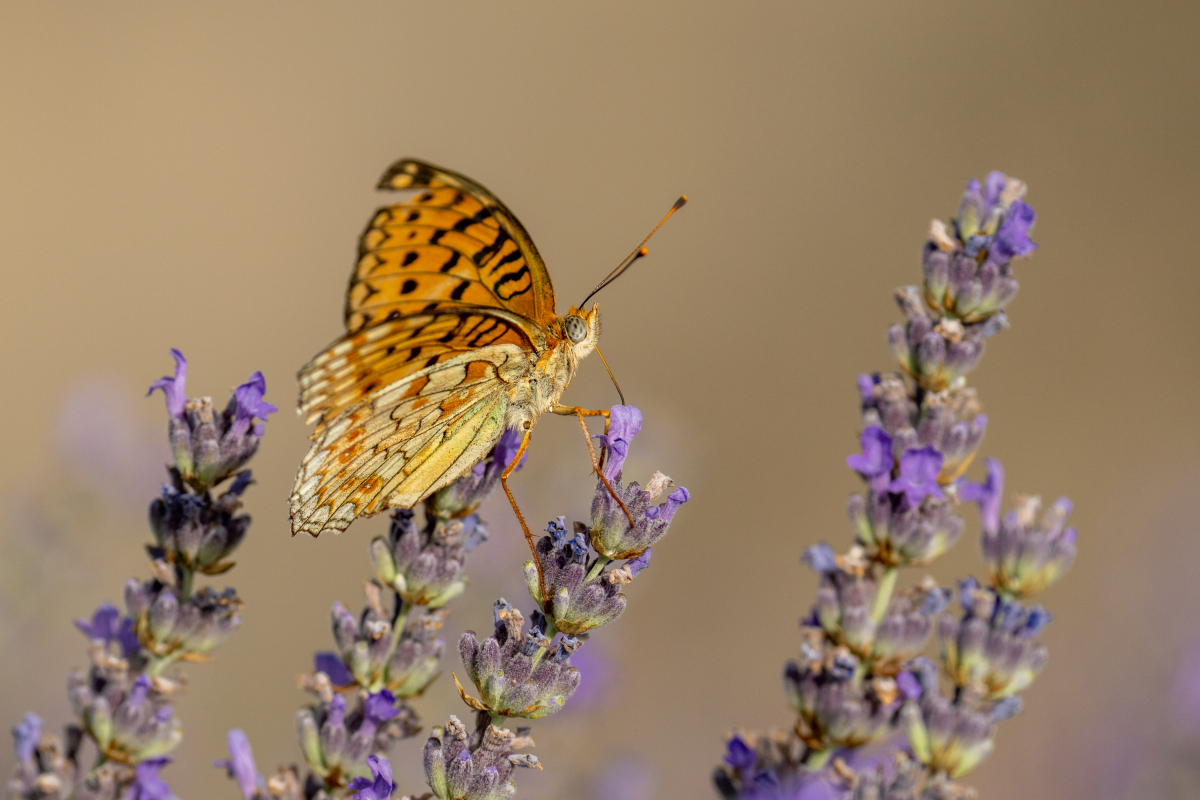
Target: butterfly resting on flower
[(451, 339)]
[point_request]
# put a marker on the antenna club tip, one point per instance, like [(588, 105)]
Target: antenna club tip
[(681, 202), (642, 251)]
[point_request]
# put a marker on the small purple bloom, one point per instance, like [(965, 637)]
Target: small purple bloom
[(250, 404), (625, 423), (174, 388), (107, 626), (739, 756), (876, 456), (379, 786), (26, 736), (241, 764), (147, 785), (333, 666), (138, 693), (1012, 239), (638, 564), (919, 470), (380, 706), (987, 494), (866, 387)]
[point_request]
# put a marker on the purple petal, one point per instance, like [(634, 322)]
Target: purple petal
[(333, 666), (241, 763), (147, 785), (379, 786), (624, 424), (987, 494), (174, 388), (250, 404), (1012, 239), (738, 755), (380, 706), (876, 456), (638, 564)]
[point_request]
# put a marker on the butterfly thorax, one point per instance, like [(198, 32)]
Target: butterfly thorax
[(537, 384)]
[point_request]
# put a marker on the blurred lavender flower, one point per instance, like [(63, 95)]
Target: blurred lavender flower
[(424, 564), (123, 701), (209, 447), (860, 678)]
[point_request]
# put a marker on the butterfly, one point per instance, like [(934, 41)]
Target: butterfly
[(451, 338)]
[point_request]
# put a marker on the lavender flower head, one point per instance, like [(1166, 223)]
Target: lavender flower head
[(611, 533), (208, 446), (461, 766)]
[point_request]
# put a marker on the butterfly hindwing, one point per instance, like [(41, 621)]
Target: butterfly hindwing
[(404, 442)]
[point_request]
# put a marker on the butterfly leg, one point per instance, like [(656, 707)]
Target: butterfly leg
[(520, 517), (580, 413)]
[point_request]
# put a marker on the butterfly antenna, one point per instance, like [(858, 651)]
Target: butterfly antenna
[(611, 376), (638, 252)]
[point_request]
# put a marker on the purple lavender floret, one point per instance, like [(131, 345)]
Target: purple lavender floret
[(875, 462), (26, 735), (108, 626), (986, 495), (240, 765), (333, 667), (919, 471), (337, 741), (611, 533), (209, 447), (377, 787), (147, 785)]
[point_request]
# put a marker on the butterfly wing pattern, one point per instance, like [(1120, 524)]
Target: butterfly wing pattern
[(451, 338)]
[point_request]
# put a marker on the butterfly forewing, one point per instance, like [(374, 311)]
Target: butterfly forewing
[(446, 311)]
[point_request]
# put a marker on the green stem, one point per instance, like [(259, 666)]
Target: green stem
[(497, 720), (818, 758), (599, 565), (887, 584), (186, 578)]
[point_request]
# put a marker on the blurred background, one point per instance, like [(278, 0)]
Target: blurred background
[(195, 176)]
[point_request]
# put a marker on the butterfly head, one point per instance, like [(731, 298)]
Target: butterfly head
[(582, 329)]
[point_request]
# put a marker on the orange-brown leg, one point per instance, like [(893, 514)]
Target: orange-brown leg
[(580, 413), (520, 517)]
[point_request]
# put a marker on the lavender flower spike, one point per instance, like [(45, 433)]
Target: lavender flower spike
[(379, 786), (240, 765)]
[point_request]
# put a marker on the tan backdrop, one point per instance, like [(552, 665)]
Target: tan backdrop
[(173, 176)]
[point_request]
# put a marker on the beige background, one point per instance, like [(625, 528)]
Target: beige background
[(171, 176)]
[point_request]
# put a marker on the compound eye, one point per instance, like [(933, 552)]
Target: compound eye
[(576, 328)]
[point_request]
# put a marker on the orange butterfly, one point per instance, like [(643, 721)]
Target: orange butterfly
[(452, 338)]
